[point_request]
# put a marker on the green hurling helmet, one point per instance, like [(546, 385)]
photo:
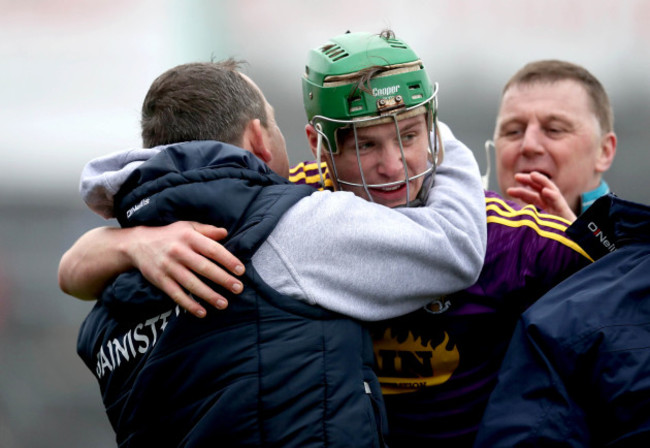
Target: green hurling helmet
[(331, 86), (364, 79)]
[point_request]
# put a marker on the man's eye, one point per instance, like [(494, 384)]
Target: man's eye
[(366, 146), (408, 137)]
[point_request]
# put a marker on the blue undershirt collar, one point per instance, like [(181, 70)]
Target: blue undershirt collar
[(589, 197)]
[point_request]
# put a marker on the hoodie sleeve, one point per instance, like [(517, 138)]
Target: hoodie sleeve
[(371, 262), (102, 177)]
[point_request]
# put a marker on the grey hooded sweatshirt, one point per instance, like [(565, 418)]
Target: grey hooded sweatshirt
[(351, 256)]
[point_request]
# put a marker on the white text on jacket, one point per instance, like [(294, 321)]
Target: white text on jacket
[(133, 344)]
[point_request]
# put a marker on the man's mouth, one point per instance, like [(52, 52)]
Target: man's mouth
[(389, 194), (389, 189)]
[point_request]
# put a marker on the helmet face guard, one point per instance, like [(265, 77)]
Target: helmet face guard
[(434, 149), (360, 80)]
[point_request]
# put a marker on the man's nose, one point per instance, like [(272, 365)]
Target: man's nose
[(391, 160), (531, 144)]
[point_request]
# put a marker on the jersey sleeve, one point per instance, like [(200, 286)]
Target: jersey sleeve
[(529, 252)]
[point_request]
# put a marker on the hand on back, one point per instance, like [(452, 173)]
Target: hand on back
[(174, 256)]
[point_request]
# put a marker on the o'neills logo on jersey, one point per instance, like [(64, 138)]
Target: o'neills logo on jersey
[(385, 91), (137, 207), (133, 344), (600, 235)]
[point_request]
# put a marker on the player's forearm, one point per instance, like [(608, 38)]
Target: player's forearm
[(94, 259)]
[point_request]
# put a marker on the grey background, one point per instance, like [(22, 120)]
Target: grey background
[(73, 77)]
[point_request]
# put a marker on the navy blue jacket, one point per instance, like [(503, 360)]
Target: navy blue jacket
[(268, 371), (577, 372)]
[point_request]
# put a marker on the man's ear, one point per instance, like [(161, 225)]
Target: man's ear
[(312, 138), (607, 152), (254, 141)]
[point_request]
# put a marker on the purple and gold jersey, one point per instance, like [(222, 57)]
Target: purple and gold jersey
[(438, 365)]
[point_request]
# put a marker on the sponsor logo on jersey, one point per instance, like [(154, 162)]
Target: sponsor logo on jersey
[(410, 365)]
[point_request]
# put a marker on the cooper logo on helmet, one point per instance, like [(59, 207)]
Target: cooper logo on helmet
[(385, 91)]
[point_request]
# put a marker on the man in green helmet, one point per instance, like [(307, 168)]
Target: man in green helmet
[(283, 365), (378, 90), (438, 364)]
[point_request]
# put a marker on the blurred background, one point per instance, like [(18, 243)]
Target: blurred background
[(73, 77)]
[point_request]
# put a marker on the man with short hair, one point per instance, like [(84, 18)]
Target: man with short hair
[(282, 365), (555, 119)]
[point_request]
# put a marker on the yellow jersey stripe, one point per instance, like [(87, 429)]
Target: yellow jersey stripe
[(501, 207), (550, 235)]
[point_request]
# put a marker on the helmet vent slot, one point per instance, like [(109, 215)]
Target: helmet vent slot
[(334, 52), (396, 43), (355, 104), (416, 91)]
